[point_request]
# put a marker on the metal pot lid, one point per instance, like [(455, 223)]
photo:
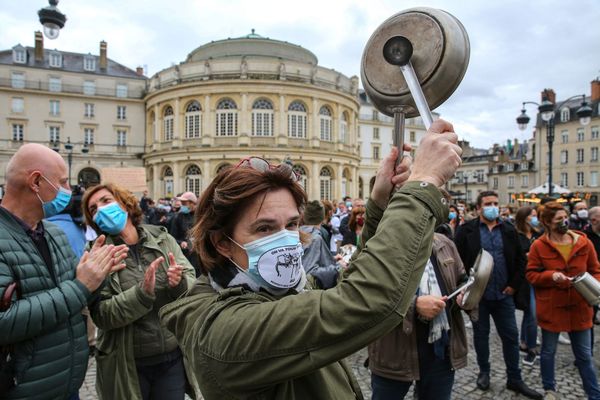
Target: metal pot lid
[(440, 58), (480, 273)]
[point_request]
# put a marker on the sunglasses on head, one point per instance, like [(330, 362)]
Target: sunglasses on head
[(262, 165)]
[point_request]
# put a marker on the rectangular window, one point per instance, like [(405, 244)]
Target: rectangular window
[(565, 136), (54, 107), (495, 183), (54, 133), (121, 90), (89, 63), (524, 181), (375, 115), (376, 133), (580, 180), (564, 179), (375, 152), (564, 156), (54, 85), (480, 175), (579, 155), (121, 112), (595, 132), (89, 88), (511, 181), (88, 136), (18, 80), (594, 178), (19, 56), (17, 132), (413, 136), (55, 60), (121, 137), (88, 110), (594, 154), (580, 135), (18, 105)]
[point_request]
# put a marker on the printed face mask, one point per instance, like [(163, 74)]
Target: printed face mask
[(275, 260), (491, 213), (111, 218), (562, 227), (59, 203)]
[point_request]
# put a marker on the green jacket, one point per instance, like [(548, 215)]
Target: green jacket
[(44, 325), (245, 345), (116, 310)]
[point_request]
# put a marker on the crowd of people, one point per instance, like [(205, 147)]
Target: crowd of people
[(244, 291)]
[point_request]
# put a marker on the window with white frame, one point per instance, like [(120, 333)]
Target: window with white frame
[(227, 118), (121, 137), (376, 153), (193, 120), (524, 181), (55, 59), (54, 134), (325, 123), (89, 88), (564, 135), (580, 134), (511, 181), (376, 133), (193, 180), (17, 80), (262, 118), (524, 165), (54, 84), (579, 155), (88, 110), (413, 136), (594, 154), (594, 178), (580, 179), (19, 55), (495, 183), (89, 63), (595, 132), (564, 179), (122, 113), (564, 156), (480, 176), (17, 132), (168, 123), (297, 120), (325, 183), (565, 114), (168, 182), (122, 90), (88, 136), (18, 105), (301, 174), (344, 129), (54, 107)]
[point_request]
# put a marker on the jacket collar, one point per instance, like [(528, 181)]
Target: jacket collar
[(577, 243)]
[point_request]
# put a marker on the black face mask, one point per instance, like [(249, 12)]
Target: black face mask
[(562, 227)]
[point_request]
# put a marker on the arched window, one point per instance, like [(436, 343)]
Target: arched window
[(262, 118), (88, 177), (223, 167), (325, 183), (193, 180), (168, 123), (344, 129), (227, 118), (565, 114), (301, 172), (297, 120), (193, 120), (325, 119), (167, 178)]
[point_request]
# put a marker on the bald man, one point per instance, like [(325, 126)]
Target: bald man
[(43, 286)]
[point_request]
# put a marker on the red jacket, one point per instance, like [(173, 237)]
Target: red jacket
[(560, 308)]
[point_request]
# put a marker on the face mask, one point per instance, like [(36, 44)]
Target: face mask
[(111, 218), (184, 210), (582, 214), (274, 261), (491, 213), (562, 227), (451, 215), (360, 221), (348, 204), (534, 222), (56, 205)]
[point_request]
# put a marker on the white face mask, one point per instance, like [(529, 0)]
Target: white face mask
[(582, 214)]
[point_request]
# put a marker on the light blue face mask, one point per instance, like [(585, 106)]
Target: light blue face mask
[(274, 261), (451, 215), (56, 205), (534, 222), (491, 213), (111, 218), (184, 210)]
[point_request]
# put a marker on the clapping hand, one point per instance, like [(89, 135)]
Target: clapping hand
[(99, 262), (174, 272)]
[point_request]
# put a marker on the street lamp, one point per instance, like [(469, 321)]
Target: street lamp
[(466, 182), (69, 148), (52, 19), (546, 110)]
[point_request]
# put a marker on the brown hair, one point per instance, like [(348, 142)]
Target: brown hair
[(521, 219), (328, 209), (123, 196), (226, 198), (548, 211), (485, 193), (353, 215)]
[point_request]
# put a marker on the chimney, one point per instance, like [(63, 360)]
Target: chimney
[(549, 95), (596, 89), (39, 47), (139, 71), (103, 58)]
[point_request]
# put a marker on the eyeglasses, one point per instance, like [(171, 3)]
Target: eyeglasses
[(262, 165)]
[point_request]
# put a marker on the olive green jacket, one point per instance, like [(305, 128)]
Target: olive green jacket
[(245, 345), (116, 310)]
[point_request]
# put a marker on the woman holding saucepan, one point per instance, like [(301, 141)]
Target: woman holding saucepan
[(265, 334), (137, 358)]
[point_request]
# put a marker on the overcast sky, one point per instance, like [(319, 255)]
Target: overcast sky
[(518, 48)]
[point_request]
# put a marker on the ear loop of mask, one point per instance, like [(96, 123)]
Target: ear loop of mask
[(240, 269)]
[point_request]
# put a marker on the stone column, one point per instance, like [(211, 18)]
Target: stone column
[(207, 123), (337, 189), (314, 190), (177, 125), (177, 179), (156, 182), (207, 174)]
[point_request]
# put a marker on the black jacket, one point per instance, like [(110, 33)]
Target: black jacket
[(595, 239), (468, 243)]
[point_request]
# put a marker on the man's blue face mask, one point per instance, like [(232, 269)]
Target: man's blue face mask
[(59, 203)]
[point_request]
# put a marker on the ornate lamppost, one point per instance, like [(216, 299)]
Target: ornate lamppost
[(52, 19)]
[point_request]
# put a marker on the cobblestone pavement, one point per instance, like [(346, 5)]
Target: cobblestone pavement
[(567, 376)]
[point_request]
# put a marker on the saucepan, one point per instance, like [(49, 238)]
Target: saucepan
[(477, 282), (588, 287)]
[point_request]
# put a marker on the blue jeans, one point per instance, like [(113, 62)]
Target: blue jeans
[(165, 380), (580, 343), (529, 324), (503, 312)]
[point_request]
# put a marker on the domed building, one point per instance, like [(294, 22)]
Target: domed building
[(255, 96)]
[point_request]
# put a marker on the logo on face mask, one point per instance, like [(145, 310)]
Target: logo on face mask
[(59, 203), (562, 227)]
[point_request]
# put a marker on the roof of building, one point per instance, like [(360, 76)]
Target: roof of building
[(252, 44), (71, 62)]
